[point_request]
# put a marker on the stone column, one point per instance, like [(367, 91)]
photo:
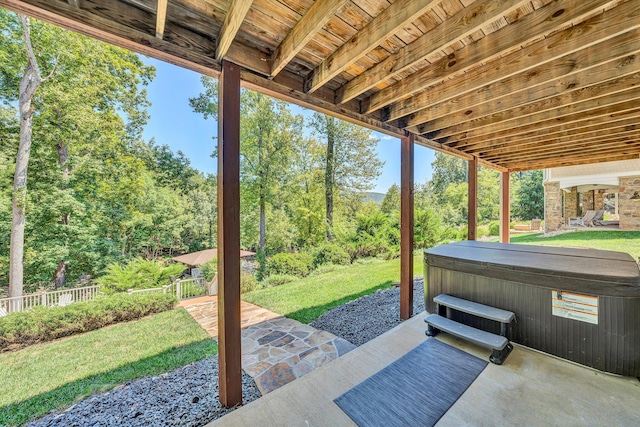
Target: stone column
[(552, 207), (599, 200), (587, 201), (629, 210), (570, 204)]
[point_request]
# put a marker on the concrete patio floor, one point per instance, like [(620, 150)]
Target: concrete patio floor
[(530, 388)]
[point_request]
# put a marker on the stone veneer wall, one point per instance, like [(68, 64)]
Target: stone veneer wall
[(587, 202), (599, 201), (570, 204), (552, 207), (629, 210)]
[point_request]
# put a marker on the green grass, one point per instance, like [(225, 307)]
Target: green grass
[(54, 375), (307, 299), (621, 241)]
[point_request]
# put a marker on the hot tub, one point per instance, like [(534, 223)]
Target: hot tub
[(579, 304)]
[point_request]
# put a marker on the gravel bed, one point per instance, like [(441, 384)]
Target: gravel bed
[(367, 317), (187, 396)]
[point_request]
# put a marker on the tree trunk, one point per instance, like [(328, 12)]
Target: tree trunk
[(329, 176), (60, 275), (28, 86)]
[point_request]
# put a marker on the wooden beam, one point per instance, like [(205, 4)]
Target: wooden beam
[(505, 207), (598, 115), (612, 146), (383, 26), (406, 226), (573, 161), (581, 100), (462, 24), (558, 132), (611, 59), (312, 22), (229, 338), (518, 148), (548, 18), (232, 22), (161, 17), (614, 22), (472, 190), (74, 3)]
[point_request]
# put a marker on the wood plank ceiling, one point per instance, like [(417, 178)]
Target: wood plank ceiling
[(519, 84)]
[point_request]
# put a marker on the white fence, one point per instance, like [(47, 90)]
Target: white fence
[(48, 299), (182, 289)]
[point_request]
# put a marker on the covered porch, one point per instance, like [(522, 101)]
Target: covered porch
[(513, 85), (530, 388)]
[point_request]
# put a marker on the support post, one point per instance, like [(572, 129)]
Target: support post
[(505, 207), (406, 227), (472, 215), (229, 339)]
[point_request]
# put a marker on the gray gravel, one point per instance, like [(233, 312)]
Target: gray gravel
[(367, 317), (187, 396)]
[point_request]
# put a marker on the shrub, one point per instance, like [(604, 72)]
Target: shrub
[(248, 283), (494, 228), (18, 330), (296, 264), (330, 253), (279, 279), (209, 269), (138, 274)]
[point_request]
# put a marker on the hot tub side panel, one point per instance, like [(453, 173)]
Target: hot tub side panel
[(613, 345)]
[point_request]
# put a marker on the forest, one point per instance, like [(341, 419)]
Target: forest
[(92, 192)]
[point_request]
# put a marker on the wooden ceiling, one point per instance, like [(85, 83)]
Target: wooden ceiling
[(518, 84)]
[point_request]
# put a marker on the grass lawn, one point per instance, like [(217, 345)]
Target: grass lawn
[(53, 375), (307, 299), (621, 241)]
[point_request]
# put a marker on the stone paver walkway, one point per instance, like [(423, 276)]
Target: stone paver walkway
[(275, 350)]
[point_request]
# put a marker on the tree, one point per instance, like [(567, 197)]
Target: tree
[(446, 170), (391, 201), (530, 196), (350, 161), (86, 115), (268, 130), (29, 84)]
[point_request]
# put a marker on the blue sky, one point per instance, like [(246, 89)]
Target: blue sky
[(175, 124)]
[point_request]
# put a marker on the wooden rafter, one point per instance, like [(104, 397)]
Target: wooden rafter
[(527, 89), (532, 26), (383, 26), (232, 22), (161, 17), (610, 144), (315, 18), (582, 44), (581, 100), (518, 147), (598, 116), (462, 24), (517, 83), (557, 161), (581, 129), (576, 160)]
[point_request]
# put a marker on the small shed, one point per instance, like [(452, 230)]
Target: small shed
[(194, 260)]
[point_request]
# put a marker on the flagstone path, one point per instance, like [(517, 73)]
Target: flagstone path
[(275, 350)]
